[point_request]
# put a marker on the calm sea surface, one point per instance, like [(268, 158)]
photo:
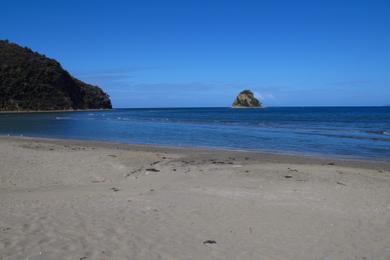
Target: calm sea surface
[(345, 132)]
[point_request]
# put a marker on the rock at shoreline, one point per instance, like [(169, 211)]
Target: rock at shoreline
[(246, 99), (30, 81)]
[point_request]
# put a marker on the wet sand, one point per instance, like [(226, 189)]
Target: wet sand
[(88, 200)]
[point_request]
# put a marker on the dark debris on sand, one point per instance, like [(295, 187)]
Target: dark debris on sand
[(152, 170)]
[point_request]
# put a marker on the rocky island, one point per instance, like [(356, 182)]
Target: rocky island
[(30, 81), (246, 99)]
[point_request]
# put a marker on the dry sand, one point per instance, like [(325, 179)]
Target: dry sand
[(87, 200)]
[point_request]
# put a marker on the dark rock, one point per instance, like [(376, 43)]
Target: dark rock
[(246, 99)]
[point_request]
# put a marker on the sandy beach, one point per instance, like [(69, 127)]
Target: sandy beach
[(88, 200)]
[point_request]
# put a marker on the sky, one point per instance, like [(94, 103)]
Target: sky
[(203, 53)]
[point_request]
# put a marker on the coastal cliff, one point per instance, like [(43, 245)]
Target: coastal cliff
[(246, 99), (30, 81)]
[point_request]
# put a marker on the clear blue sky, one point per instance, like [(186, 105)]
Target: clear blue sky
[(202, 53)]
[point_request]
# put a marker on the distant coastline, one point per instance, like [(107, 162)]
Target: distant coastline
[(55, 111)]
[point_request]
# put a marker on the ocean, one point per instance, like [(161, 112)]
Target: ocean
[(340, 132)]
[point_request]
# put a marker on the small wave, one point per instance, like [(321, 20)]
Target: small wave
[(62, 118), (357, 137), (380, 132)]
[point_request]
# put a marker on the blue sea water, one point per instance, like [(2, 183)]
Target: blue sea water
[(343, 132)]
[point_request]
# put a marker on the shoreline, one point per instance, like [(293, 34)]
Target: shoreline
[(69, 199), (261, 156), (271, 132)]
